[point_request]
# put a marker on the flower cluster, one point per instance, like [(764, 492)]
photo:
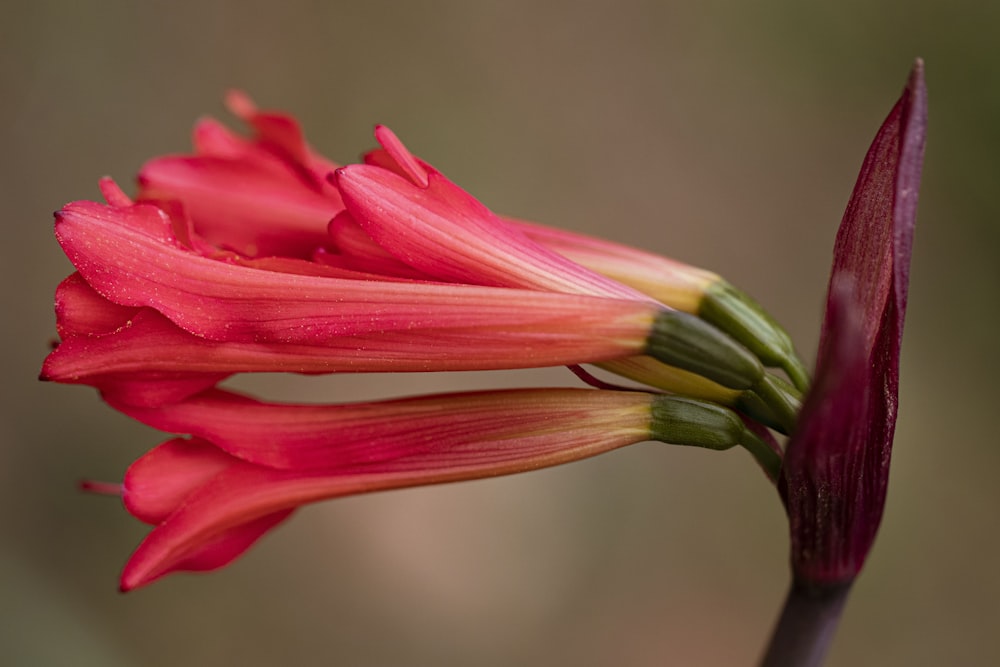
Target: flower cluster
[(259, 255)]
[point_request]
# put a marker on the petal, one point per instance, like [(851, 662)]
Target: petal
[(674, 283), (130, 257), (431, 224), (282, 134), (82, 311), (358, 250), (138, 352), (243, 493), (221, 550), (130, 364), (256, 208), (159, 482), (397, 158), (212, 138), (338, 436)]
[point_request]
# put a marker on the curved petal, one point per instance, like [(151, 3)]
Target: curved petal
[(158, 483), (428, 222), (330, 437), (82, 311), (242, 494), (136, 353), (131, 257), (255, 208), (674, 283)]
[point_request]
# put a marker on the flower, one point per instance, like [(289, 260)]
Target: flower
[(258, 255), (266, 196), (271, 196), (147, 282), (836, 466), (249, 464), (262, 311), (416, 215), (141, 289)]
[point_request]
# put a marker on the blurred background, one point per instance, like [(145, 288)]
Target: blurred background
[(727, 134)]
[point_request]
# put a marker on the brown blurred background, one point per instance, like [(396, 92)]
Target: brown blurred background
[(727, 134)]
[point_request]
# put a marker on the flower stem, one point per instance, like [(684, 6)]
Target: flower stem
[(807, 625)]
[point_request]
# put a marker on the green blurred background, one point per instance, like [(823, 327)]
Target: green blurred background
[(727, 134)]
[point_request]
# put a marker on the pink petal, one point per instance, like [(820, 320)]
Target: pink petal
[(282, 134), (221, 550), (358, 250), (679, 285), (157, 484), (404, 162), (82, 311), (212, 138), (131, 258), (244, 493), (431, 224), (331, 437), (138, 352), (256, 208)]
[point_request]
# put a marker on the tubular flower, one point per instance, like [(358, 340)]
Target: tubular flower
[(259, 255), (271, 196), (260, 197), (142, 285), (836, 466), (250, 464), (139, 256), (426, 222)]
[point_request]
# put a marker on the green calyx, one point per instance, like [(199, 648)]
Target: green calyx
[(686, 421), (687, 342), (786, 397), (734, 312)]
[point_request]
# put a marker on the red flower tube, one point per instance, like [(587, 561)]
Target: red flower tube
[(139, 256), (251, 463)]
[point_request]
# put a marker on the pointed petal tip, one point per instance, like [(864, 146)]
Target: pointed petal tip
[(240, 104), (113, 194), (406, 161), (335, 176), (133, 578), (127, 586)]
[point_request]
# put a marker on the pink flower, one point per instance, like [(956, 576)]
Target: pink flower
[(270, 196), (423, 219), (250, 464), (246, 258), (143, 288), (311, 317), (260, 197), (419, 218)]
